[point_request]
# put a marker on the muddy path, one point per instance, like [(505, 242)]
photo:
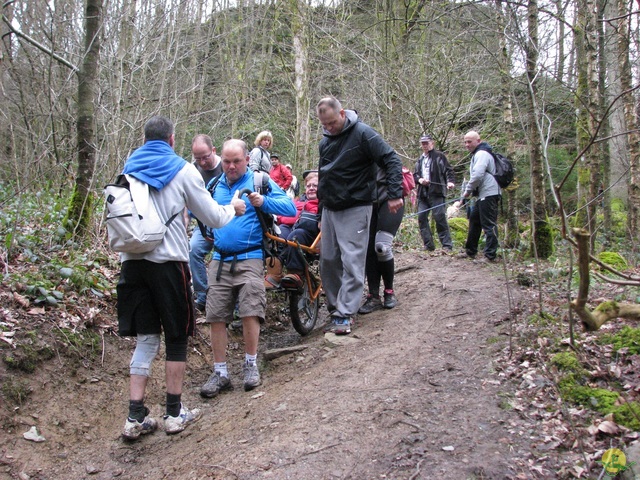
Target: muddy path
[(412, 393)]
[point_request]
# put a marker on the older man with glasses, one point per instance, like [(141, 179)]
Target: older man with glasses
[(210, 167)]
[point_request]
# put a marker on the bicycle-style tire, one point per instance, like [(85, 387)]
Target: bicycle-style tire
[(303, 310)]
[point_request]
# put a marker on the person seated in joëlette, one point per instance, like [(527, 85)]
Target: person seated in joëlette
[(303, 228)]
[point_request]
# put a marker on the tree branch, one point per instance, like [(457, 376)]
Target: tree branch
[(39, 46), (604, 312)]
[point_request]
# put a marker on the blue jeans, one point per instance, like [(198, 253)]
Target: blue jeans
[(199, 248)]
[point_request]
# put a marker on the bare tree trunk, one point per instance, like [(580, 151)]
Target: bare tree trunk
[(81, 202), (587, 107), (633, 203), (605, 152), (560, 12), (300, 31), (512, 236), (542, 238)]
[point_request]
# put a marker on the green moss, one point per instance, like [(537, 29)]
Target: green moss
[(83, 344), (617, 205), (627, 337), (14, 390), (613, 259), (544, 240), (607, 306), (25, 357), (79, 212), (567, 362), (598, 399), (628, 415), (459, 227), (542, 320)]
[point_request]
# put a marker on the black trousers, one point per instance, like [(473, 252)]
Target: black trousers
[(435, 205), (483, 217)]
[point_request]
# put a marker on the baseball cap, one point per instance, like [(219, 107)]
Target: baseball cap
[(425, 138), (274, 155), (289, 166)]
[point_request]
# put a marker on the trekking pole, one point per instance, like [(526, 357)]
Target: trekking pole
[(431, 208)]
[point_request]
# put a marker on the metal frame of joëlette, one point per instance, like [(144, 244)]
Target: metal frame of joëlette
[(313, 249)]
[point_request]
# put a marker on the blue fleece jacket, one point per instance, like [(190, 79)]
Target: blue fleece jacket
[(245, 233), (154, 163)]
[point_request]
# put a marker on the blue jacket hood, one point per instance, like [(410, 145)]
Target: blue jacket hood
[(154, 163)]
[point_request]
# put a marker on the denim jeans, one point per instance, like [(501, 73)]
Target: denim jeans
[(483, 217), (199, 248)]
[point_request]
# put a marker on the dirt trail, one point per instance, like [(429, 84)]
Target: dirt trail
[(412, 393)]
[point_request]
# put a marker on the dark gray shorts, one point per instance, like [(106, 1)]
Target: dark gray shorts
[(245, 285)]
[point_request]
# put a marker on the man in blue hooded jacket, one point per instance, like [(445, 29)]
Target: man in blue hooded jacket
[(154, 291), (236, 272)]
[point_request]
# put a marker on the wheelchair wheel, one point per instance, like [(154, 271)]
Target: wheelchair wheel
[(303, 310)]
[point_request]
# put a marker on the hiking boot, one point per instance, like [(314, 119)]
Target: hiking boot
[(370, 305), (340, 326), (216, 384), (464, 255), (485, 260), (251, 377), (292, 281), (133, 428), (177, 424), (390, 299)]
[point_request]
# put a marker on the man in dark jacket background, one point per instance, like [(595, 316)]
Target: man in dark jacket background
[(349, 153), (434, 176)]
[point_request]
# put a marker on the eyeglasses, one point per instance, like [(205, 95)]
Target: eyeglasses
[(312, 186), (203, 157)]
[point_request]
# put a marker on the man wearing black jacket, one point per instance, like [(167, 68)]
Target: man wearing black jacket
[(434, 176), (349, 151)]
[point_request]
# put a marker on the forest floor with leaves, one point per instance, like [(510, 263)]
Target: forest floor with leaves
[(454, 383)]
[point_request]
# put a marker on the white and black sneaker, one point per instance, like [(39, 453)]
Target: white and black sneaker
[(177, 424), (133, 428)]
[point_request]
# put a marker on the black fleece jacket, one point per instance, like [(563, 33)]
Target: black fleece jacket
[(347, 173), (440, 173)]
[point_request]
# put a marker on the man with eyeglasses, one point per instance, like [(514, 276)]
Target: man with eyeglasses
[(210, 167)]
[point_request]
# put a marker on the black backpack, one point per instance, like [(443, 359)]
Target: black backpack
[(504, 170)]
